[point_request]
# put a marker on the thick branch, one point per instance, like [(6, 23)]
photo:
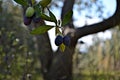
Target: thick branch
[(102, 26), (68, 5), (61, 66)]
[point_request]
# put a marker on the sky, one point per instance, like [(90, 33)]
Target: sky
[(110, 6)]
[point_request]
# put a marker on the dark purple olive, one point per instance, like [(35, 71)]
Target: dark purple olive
[(58, 40), (27, 21), (66, 40)]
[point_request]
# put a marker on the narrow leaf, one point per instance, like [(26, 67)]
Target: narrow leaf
[(67, 18), (45, 17), (52, 17), (62, 47), (41, 29), (21, 2)]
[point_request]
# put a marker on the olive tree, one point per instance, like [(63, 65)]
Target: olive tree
[(58, 65)]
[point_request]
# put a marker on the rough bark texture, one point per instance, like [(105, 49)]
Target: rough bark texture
[(58, 65)]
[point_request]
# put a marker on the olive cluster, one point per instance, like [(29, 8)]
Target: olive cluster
[(62, 39), (30, 15)]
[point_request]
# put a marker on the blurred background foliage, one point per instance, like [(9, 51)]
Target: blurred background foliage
[(16, 46), (102, 59), (18, 54)]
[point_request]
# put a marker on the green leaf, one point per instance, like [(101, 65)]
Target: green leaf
[(67, 18), (52, 17), (41, 29), (22, 2), (62, 47), (45, 17), (44, 3)]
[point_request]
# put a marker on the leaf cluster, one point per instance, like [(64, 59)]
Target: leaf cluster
[(51, 17)]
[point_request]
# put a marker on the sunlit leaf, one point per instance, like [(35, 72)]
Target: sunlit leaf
[(62, 47), (41, 29), (21, 2), (67, 18)]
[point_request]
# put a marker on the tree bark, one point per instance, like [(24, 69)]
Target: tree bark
[(61, 62)]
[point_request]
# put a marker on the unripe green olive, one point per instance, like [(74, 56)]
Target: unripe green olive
[(29, 12)]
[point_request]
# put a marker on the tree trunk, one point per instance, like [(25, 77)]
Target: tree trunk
[(58, 65), (55, 66)]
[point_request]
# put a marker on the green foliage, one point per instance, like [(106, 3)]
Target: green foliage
[(101, 60), (67, 18), (38, 8), (44, 3), (22, 2), (41, 14), (46, 17), (41, 29), (18, 56), (52, 16)]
